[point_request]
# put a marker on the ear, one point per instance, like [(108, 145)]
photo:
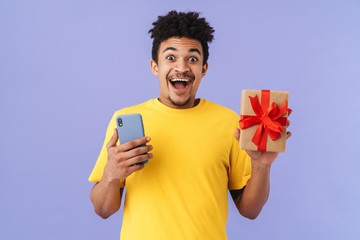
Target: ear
[(154, 67), (204, 69)]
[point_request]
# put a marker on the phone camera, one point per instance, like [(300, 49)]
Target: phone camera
[(120, 122)]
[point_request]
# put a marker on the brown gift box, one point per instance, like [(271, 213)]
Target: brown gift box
[(247, 134)]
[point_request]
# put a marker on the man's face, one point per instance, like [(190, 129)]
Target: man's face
[(180, 70)]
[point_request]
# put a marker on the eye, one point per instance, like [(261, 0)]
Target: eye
[(170, 57), (193, 59)]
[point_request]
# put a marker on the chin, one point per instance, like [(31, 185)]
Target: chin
[(180, 103)]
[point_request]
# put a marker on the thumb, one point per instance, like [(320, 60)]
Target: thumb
[(113, 140), (237, 134)]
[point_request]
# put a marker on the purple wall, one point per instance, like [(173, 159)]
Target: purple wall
[(66, 66)]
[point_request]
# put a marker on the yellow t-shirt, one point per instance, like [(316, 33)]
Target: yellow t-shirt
[(182, 192)]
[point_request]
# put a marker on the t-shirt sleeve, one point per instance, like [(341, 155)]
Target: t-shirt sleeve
[(240, 167), (98, 170)]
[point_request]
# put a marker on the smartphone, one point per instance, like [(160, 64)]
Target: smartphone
[(130, 127)]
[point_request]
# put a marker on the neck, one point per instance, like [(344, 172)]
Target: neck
[(188, 105)]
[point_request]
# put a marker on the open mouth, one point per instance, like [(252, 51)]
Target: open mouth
[(180, 84)]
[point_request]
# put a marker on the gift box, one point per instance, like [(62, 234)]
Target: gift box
[(264, 120)]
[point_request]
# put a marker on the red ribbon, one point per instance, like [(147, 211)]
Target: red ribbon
[(268, 117)]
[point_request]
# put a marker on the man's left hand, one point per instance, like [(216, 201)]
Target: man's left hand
[(264, 158)]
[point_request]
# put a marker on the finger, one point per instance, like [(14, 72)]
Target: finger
[(138, 151), (138, 159), (288, 123), (288, 134), (133, 144), (135, 168), (237, 134), (113, 140)]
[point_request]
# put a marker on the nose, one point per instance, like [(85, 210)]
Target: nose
[(182, 66)]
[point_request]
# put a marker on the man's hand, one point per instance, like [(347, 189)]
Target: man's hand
[(250, 200), (264, 158), (124, 159)]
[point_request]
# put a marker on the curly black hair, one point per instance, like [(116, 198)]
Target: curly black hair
[(181, 24)]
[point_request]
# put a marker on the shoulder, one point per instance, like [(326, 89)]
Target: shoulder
[(134, 109), (223, 111)]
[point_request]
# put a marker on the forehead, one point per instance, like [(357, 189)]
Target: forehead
[(180, 44)]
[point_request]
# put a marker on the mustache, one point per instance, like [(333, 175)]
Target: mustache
[(181, 75)]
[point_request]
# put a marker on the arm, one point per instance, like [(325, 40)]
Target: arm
[(106, 195), (251, 199), (106, 198)]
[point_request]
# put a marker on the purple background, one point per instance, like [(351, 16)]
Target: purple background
[(66, 66)]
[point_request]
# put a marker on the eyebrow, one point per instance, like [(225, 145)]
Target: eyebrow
[(169, 48), (195, 50), (190, 50)]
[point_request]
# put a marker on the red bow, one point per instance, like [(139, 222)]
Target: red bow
[(268, 117)]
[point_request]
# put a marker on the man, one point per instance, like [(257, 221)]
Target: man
[(194, 158)]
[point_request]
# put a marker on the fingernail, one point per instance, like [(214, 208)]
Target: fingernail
[(148, 139), (151, 147)]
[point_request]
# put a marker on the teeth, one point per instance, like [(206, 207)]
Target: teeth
[(180, 80)]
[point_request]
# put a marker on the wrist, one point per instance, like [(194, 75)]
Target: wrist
[(259, 165), (109, 180)]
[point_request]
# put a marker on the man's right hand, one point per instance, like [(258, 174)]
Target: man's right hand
[(122, 159)]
